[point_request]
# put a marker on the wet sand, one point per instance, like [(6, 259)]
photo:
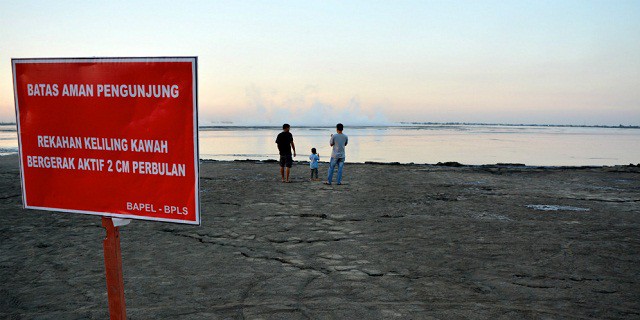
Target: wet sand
[(394, 242)]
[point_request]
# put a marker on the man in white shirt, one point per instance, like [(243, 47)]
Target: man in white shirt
[(338, 141)]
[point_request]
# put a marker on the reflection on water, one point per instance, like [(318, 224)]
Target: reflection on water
[(432, 144), (8, 139), (466, 144)]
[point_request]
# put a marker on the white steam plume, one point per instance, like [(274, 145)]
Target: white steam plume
[(303, 110)]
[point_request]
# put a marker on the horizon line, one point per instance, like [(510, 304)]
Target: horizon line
[(228, 124)]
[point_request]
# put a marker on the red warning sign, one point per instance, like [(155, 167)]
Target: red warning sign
[(114, 137)]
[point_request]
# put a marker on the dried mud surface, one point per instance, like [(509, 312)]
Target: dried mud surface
[(393, 242)]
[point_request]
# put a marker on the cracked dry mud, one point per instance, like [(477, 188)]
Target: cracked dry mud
[(395, 242)]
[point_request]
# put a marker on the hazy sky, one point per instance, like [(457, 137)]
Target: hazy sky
[(360, 62)]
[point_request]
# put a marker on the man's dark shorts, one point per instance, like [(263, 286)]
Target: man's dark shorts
[(286, 161)]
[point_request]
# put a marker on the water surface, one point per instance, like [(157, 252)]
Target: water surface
[(468, 144)]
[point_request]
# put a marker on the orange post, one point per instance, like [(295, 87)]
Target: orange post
[(113, 268)]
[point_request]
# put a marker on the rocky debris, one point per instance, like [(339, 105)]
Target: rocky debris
[(449, 164)]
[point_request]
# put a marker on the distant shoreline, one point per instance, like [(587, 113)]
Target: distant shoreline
[(426, 124), (403, 124), (521, 125)]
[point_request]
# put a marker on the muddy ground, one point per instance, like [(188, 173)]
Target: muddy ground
[(393, 242)]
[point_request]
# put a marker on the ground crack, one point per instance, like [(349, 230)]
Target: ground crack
[(230, 203), (9, 197), (202, 239), (533, 285), (287, 262), (544, 277)]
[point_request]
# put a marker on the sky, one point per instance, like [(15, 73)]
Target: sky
[(360, 62)]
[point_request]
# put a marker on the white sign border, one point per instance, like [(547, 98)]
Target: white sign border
[(194, 73)]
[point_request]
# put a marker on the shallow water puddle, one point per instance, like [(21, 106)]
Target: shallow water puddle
[(553, 207)]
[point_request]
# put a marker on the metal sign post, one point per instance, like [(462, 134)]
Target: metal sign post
[(113, 268)]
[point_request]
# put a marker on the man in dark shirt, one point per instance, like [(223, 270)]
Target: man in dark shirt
[(285, 143)]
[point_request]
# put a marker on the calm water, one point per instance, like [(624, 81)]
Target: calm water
[(423, 144)]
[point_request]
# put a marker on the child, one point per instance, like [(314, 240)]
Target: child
[(313, 163)]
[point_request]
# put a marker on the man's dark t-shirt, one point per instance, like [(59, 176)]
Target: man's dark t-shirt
[(284, 140)]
